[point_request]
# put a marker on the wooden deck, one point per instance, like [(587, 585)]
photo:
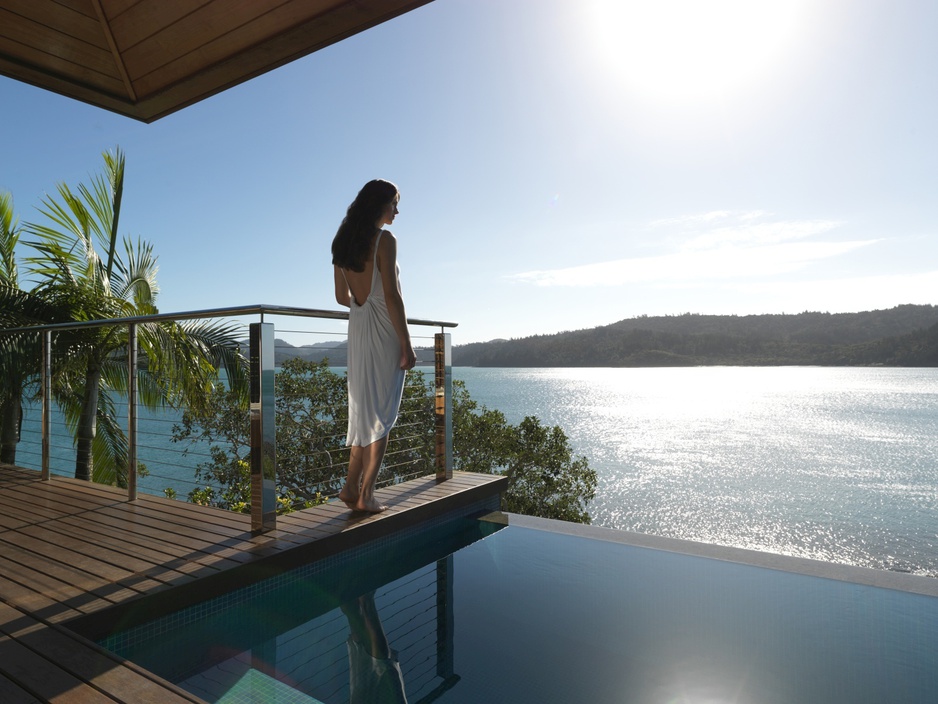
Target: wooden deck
[(74, 555)]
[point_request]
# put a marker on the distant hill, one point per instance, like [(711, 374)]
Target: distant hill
[(903, 336), (336, 351)]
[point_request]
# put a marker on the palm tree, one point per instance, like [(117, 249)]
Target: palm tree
[(12, 362), (20, 354), (181, 362)]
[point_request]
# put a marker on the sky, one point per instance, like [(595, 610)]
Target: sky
[(562, 165)]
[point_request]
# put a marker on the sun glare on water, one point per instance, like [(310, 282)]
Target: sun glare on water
[(681, 51)]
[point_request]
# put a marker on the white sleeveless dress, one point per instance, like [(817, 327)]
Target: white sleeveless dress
[(375, 379)]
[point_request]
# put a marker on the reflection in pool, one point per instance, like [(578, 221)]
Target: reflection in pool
[(469, 613)]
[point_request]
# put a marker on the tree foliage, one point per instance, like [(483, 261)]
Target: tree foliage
[(544, 478), (21, 353)]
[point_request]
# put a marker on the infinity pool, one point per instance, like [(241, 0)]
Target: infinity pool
[(471, 611)]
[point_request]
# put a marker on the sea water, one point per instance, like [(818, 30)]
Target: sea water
[(838, 464)]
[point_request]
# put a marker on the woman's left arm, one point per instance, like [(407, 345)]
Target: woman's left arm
[(342, 294)]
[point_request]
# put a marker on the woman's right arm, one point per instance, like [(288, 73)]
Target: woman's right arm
[(387, 265)]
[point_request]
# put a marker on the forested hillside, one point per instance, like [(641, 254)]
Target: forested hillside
[(336, 352), (903, 336)]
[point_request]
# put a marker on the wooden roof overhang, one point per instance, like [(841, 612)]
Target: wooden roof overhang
[(149, 58)]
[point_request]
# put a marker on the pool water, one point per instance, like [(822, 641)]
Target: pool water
[(474, 612)]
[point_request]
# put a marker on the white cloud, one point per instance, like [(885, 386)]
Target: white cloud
[(744, 249), (691, 219), (762, 233), (722, 263), (712, 216)]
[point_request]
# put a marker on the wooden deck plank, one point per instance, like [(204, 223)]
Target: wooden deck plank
[(27, 596), (33, 513), (91, 494), (76, 550), (171, 511), (8, 522), (56, 589), (180, 526), (12, 692), (27, 588), (85, 661), (192, 539), (116, 550), (159, 553), (51, 683)]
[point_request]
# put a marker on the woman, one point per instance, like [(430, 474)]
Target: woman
[(364, 258)]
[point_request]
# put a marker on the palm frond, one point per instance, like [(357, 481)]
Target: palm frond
[(9, 236), (222, 340), (114, 164), (20, 308), (54, 264), (180, 362), (77, 222), (66, 252), (135, 279), (109, 447), (187, 358), (114, 373)]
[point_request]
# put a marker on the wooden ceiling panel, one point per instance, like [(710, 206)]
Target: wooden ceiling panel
[(86, 7), (104, 89), (69, 21), (63, 53), (142, 20), (207, 30), (231, 35), (115, 8), (148, 58)]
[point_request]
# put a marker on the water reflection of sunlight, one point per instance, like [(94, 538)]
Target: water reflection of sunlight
[(693, 392), (703, 688), (821, 463)]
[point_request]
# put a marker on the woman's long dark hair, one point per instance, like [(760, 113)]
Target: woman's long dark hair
[(352, 241)]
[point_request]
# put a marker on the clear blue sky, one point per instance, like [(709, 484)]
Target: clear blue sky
[(562, 164)]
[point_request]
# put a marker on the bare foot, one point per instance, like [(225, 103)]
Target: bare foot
[(370, 506), (348, 497)]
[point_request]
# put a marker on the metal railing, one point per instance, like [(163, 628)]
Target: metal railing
[(262, 377)]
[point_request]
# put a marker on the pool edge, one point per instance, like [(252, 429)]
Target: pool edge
[(883, 579)]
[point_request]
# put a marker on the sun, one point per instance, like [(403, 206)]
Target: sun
[(682, 51)]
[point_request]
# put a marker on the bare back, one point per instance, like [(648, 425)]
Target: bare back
[(359, 282)]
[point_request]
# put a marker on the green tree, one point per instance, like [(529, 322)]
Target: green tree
[(311, 421), (180, 361), (20, 358), (20, 353), (224, 423), (15, 364), (544, 479)]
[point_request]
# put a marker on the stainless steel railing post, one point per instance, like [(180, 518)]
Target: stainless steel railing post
[(263, 429), (46, 383), (443, 363), (132, 412)]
